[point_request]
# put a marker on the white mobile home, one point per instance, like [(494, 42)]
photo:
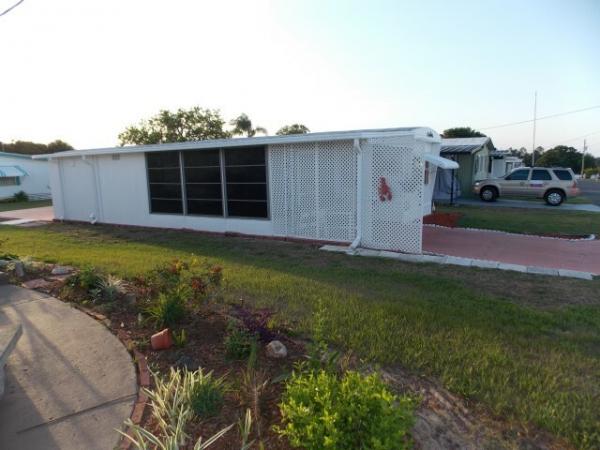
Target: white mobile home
[(21, 173), (366, 187)]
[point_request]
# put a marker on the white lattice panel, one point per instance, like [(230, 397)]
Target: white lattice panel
[(313, 190), (394, 224)]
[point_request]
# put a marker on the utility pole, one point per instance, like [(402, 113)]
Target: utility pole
[(534, 123), (583, 157)]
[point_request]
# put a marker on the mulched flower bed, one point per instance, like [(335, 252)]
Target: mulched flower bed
[(206, 331), (443, 219)]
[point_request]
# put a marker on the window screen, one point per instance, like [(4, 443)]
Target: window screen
[(518, 175), (564, 175), (540, 175), (203, 182), (246, 182), (9, 181), (164, 181)]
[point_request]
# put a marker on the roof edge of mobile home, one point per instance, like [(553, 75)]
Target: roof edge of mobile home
[(421, 133)]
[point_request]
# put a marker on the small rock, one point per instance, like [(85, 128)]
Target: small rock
[(186, 362), (61, 270), (38, 283), (19, 269), (130, 299), (4, 262), (276, 349), (4, 279)]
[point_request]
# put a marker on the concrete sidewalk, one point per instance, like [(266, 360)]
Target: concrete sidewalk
[(69, 382), (509, 203), (513, 248), (45, 213)]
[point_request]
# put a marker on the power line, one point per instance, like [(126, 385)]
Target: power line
[(580, 137), (11, 8), (541, 118)]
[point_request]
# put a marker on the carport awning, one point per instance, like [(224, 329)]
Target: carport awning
[(11, 171), (441, 162)]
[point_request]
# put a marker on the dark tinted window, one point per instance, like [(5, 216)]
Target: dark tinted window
[(162, 160), (518, 175), (203, 182), (164, 182), (246, 182), (540, 175), (564, 175)]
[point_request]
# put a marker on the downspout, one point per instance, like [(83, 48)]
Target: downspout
[(359, 166), (93, 217)]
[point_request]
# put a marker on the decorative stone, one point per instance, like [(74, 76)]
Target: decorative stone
[(38, 283), (61, 270), (4, 263), (276, 349), (19, 269), (4, 278)]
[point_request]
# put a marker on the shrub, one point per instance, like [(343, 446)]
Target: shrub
[(87, 279), (168, 309), (206, 394), (171, 411), (238, 342), (20, 196), (108, 289), (321, 411)]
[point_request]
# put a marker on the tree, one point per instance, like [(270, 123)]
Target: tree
[(461, 132), (58, 146), (195, 124), (34, 148), (563, 156), (243, 125), (296, 128), (539, 151)]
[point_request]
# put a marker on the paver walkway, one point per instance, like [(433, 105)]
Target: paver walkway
[(513, 249), (69, 381), (45, 213)]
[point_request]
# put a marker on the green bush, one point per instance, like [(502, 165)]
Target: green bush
[(20, 196), (168, 309), (87, 279), (321, 411), (239, 342), (206, 395)]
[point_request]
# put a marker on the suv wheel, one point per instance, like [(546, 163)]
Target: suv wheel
[(488, 194), (554, 197)]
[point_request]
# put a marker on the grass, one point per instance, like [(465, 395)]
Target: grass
[(527, 347), (12, 206), (570, 200), (528, 221)]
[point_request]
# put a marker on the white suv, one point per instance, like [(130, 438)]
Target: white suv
[(553, 184)]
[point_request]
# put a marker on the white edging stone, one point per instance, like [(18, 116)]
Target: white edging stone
[(458, 261)]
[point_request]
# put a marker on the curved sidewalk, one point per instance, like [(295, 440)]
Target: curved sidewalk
[(513, 248), (69, 381)]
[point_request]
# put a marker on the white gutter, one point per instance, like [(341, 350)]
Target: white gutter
[(359, 167)]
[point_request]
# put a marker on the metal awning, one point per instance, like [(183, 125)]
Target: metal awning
[(440, 162), (11, 171)]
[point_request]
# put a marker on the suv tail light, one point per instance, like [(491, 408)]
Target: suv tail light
[(574, 184)]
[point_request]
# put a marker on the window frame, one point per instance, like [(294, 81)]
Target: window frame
[(223, 184)]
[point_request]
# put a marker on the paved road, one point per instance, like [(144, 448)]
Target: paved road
[(591, 190), (69, 381), (513, 249)]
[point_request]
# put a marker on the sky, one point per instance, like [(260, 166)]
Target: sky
[(82, 71)]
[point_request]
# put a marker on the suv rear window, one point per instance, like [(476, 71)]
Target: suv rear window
[(540, 175), (564, 175)]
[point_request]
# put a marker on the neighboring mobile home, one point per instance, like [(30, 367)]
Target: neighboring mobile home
[(473, 158), (21, 173), (502, 163), (366, 187)]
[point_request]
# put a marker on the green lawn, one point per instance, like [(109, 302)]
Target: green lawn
[(12, 206), (528, 221), (526, 347)]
